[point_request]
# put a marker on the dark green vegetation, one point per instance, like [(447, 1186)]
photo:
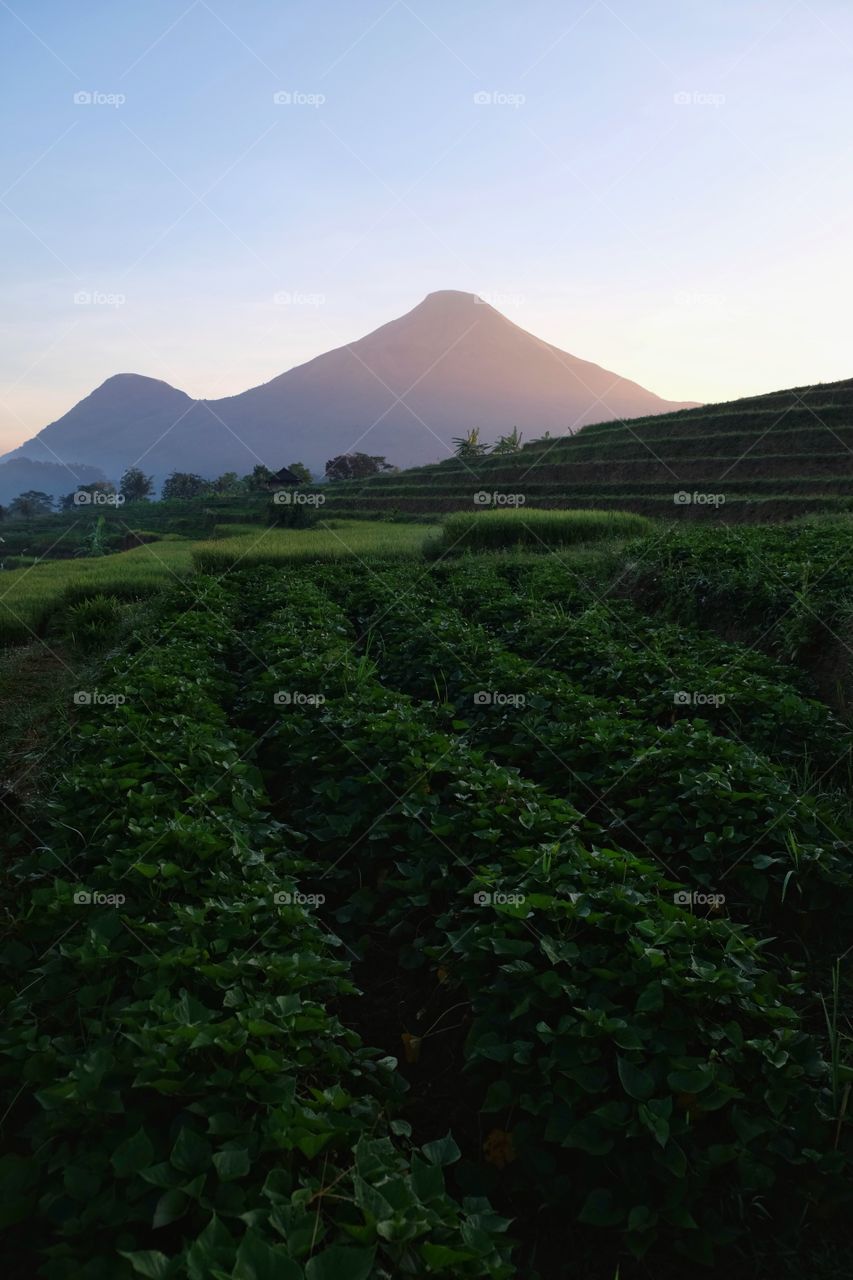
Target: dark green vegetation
[(771, 457), (63, 534), (186, 1096), (584, 853), (789, 589)]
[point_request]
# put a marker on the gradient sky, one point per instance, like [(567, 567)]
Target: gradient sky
[(664, 188)]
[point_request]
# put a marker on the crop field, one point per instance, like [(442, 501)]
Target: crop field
[(332, 540), (30, 596), (773, 457), (789, 589), (402, 916), (496, 530)]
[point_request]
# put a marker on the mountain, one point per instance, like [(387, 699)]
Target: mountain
[(403, 391), (20, 474)]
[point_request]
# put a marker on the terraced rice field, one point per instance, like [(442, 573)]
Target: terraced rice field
[(770, 457)]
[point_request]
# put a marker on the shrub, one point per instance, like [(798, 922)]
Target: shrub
[(92, 623), (292, 515)]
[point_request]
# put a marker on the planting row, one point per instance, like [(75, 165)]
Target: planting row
[(631, 1065), (556, 612), (717, 816), (182, 1098), (785, 589)]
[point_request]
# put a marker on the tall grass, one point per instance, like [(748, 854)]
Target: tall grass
[(361, 539), (29, 597), (536, 529)]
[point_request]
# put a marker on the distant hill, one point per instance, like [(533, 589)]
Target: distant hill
[(20, 474), (782, 454), (403, 391)]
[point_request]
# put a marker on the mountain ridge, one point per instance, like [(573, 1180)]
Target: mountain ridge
[(404, 390)]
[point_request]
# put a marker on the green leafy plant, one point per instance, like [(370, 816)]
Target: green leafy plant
[(93, 622)]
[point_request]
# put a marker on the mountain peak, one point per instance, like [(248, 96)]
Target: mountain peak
[(445, 299), (406, 391), (448, 295)]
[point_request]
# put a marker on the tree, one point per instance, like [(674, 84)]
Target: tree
[(184, 484), (261, 478), (355, 466), (228, 482), (84, 493), (299, 469), (510, 443), (135, 486), (31, 503), (470, 446), (292, 515), (95, 541)]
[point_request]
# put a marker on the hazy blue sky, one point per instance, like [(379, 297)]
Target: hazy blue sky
[(664, 186)]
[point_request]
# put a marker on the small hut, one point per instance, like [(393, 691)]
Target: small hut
[(283, 479)]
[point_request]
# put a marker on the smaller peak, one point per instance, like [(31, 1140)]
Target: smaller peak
[(136, 384), (123, 379)]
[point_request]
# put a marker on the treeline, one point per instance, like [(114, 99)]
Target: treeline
[(136, 486)]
